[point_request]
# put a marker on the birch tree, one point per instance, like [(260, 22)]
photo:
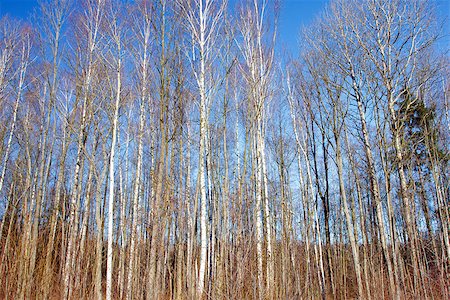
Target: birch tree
[(89, 25), (203, 20), (116, 33), (256, 68), (172, 149)]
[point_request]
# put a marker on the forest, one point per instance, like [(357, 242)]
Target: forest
[(173, 149)]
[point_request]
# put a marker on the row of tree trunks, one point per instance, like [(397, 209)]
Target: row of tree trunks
[(169, 150)]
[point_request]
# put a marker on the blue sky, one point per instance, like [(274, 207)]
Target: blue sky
[(293, 14), (293, 11), (17, 8)]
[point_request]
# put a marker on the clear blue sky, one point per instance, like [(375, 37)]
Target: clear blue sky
[(293, 11), (293, 14), (17, 8)]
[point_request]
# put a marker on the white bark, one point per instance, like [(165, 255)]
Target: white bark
[(144, 34), (202, 22), (93, 18), (110, 233), (24, 61)]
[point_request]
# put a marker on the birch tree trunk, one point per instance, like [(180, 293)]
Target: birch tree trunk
[(203, 20), (117, 36), (143, 62), (93, 19)]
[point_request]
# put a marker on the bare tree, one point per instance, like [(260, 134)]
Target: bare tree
[(203, 20), (152, 150), (256, 67)]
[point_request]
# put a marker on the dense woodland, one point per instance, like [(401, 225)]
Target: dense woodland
[(173, 150)]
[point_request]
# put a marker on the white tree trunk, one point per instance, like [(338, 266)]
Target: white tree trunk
[(109, 258)]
